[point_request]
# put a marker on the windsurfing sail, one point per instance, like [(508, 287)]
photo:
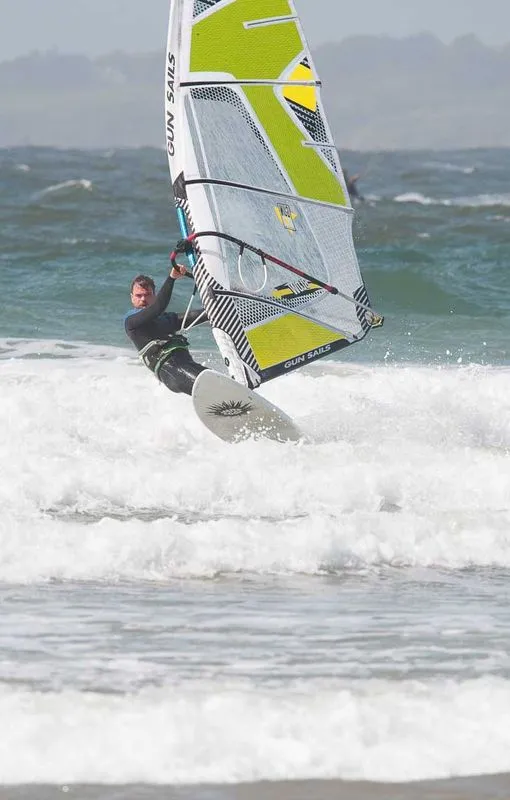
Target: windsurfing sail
[(262, 203)]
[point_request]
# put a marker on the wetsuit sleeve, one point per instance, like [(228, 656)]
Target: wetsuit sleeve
[(151, 312)]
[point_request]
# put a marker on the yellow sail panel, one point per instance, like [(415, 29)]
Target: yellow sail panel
[(305, 96), (286, 338)]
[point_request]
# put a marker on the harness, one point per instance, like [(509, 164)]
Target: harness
[(155, 353)]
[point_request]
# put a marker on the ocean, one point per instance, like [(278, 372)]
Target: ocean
[(183, 618)]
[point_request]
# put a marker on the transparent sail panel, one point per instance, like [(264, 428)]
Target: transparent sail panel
[(313, 238), (232, 147)]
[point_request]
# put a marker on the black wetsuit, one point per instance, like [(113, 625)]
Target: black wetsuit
[(155, 334)]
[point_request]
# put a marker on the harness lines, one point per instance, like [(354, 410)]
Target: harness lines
[(155, 353)]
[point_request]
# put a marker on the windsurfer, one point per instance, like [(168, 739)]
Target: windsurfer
[(351, 183), (156, 332)]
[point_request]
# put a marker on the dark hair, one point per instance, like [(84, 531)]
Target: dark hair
[(144, 281)]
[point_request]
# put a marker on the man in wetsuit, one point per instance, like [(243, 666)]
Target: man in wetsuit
[(156, 332), (351, 183)]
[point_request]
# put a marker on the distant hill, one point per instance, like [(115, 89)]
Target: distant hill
[(380, 94), (416, 92)]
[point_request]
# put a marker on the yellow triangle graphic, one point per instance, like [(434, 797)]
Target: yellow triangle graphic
[(305, 96)]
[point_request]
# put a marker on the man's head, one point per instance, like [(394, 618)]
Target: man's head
[(142, 291)]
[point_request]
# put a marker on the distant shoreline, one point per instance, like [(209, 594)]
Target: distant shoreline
[(379, 93), (486, 787)]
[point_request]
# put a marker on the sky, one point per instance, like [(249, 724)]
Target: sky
[(95, 27)]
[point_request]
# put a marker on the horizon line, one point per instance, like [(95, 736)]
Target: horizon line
[(57, 51)]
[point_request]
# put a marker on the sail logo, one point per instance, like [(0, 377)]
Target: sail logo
[(230, 408), (170, 79), (310, 356), (286, 216), (289, 291), (170, 98)]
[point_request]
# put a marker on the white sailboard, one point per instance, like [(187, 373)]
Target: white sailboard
[(233, 412), (261, 200)]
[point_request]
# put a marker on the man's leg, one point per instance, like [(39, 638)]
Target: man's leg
[(179, 372)]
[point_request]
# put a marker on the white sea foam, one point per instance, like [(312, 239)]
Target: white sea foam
[(415, 197), (18, 348), (98, 441), (476, 201), (482, 200), (190, 733), (65, 186), (449, 167)]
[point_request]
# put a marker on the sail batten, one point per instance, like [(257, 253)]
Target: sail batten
[(258, 23), (262, 190), (253, 82), (253, 161)]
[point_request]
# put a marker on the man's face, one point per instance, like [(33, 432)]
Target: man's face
[(141, 297)]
